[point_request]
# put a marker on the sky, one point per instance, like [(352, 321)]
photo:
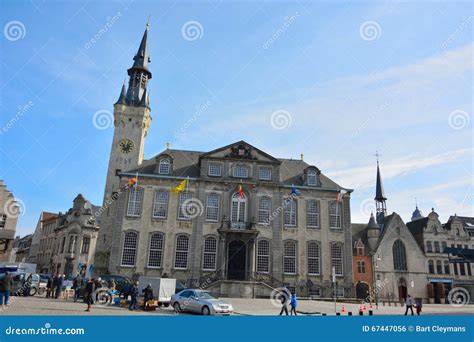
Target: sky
[(334, 80)]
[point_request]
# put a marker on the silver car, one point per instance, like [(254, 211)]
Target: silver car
[(199, 301)]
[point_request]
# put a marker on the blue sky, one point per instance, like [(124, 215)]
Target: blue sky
[(345, 78)]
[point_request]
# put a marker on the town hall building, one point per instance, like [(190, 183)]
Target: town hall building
[(235, 220)]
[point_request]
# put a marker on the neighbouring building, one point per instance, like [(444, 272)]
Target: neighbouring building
[(397, 261), (75, 239), (36, 239), (21, 247), (9, 212), (47, 237), (434, 238), (240, 217)]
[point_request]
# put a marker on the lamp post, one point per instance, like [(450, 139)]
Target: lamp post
[(375, 265)]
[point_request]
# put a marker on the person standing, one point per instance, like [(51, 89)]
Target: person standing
[(89, 293), (419, 305), (49, 286), (5, 288), (409, 305), (77, 284), (293, 304), (284, 297), (134, 296), (147, 295), (59, 286)]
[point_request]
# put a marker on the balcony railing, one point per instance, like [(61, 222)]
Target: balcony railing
[(236, 225)]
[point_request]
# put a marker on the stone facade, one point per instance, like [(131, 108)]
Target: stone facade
[(47, 237), (9, 212)]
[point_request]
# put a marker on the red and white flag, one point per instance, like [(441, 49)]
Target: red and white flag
[(340, 195)]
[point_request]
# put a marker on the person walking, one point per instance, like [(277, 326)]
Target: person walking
[(409, 305), (293, 304), (284, 297), (5, 288), (77, 284), (59, 286), (134, 296), (89, 293), (49, 286), (147, 295), (419, 305)]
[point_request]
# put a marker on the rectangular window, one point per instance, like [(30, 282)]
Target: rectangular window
[(336, 258), (212, 207), (265, 173), (446, 268), (429, 247), (439, 267), (436, 247), (289, 213), (443, 246), (312, 213), (335, 215), (241, 171), (209, 254), (63, 244), (185, 200), (214, 170), (160, 204), (72, 244), (361, 266), (156, 250), (135, 198), (289, 258), (313, 258), (181, 256), (129, 251), (3, 220), (86, 242), (263, 256), (264, 208)]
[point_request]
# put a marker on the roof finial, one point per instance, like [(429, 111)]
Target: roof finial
[(167, 145), (377, 155), (302, 156), (148, 22), (416, 203)]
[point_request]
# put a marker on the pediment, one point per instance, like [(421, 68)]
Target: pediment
[(241, 150)]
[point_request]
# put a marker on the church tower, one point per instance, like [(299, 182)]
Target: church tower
[(380, 205), (132, 119)]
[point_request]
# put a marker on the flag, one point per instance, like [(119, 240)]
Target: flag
[(294, 191), (339, 195), (181, 186), (241, 191), (133, 183)]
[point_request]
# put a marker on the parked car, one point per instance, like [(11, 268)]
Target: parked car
[(122, 284), (20, 281), (200, 301)]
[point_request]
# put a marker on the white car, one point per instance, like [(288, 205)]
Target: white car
[(200, 301)]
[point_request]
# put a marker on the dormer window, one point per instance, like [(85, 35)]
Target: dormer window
[(265, 173), (312, 178), (164, 166), (215, 170), (241, 171)]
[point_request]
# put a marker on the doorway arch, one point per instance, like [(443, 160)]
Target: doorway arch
[(236, 260)]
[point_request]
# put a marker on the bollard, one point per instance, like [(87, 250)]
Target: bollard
[(323, 314), (371, 313), (338, 314), (361, 313), (349, 313)]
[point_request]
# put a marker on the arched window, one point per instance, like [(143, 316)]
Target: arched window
[(164, 167), (135, 198), (429, 247), (312, 179), (212, 207), (289, 213), (238, 214), (209, 254), (263, 256), (264, 208), (129, 251), (289, 257), (160, 204), (336, 258), (155, 253), (399, 256), (431, 266), (181, 255), (312, 213), (313, 258), (334, 215)]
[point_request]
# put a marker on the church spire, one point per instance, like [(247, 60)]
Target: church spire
[(123, 94), (381, 207), (139, 73)]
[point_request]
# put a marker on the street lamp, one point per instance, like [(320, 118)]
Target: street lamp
[(375, 289)]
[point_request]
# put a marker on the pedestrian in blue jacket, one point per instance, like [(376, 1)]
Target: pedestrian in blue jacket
[(293, 304)]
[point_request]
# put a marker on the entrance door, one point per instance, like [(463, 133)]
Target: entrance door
[(236, 260), (362, 290)]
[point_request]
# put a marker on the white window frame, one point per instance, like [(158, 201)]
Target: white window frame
[(236, 171), (135, 200), (209, 254), (160, 203), (335, 216), (290, 212), (183, 197), (314, 257), (264, 212), (312, 178), (337, 260), (263, 256), (165, 163), (262, 175), (312, 216), (290, 260), (181, 251), (212, 211), (130, 248), (155, 250), (218, 167)]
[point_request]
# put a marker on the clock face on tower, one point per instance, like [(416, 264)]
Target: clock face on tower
[(126, 146)]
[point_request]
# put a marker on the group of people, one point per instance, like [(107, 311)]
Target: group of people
[(410, 304), (286, 297), (5, 288), (54, 286)]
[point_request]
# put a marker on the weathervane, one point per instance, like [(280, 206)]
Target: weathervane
[(377, 155)]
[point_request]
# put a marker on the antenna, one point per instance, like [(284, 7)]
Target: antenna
[(377, 155), (148, 22)]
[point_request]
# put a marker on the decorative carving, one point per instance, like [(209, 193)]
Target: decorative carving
[(241, 151)]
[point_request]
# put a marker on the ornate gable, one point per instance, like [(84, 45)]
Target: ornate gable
[(241, 150)]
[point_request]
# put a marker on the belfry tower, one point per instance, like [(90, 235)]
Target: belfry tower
[(380, 205)]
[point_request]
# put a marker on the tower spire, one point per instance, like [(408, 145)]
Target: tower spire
[(381, 207)]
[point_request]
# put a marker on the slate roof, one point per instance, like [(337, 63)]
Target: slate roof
[(416, 227)]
